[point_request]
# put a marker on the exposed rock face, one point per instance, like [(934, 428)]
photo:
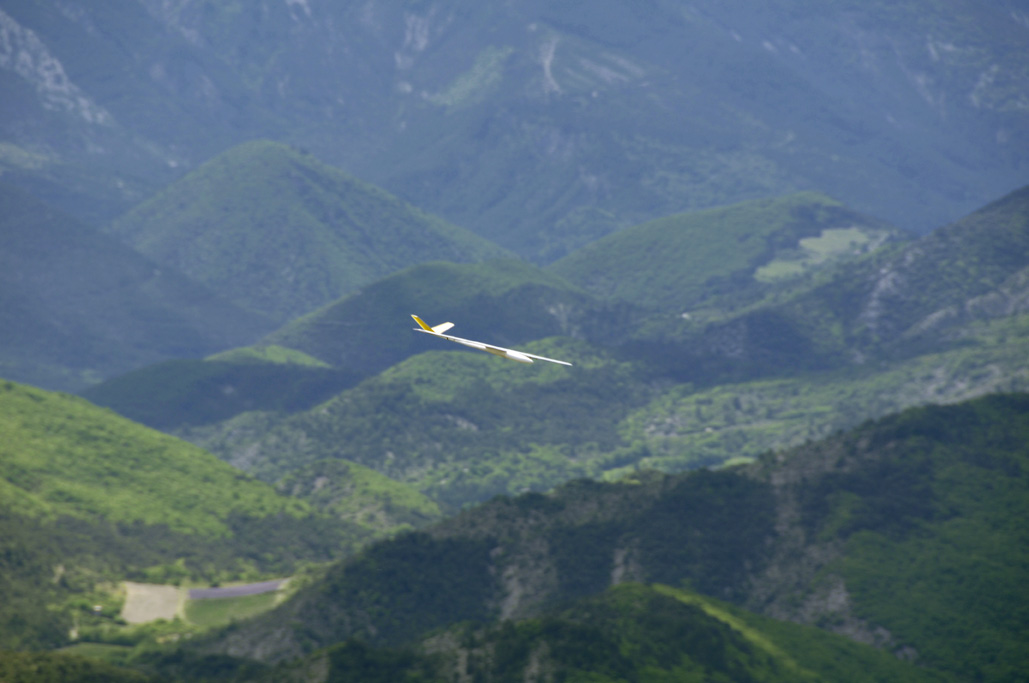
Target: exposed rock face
[(569, 112), (22, 52)]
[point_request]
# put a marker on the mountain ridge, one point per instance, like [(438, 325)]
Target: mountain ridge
[(691, 256), (821, 529), (293, 235), (647, 389), (79, 306), (534, 125)]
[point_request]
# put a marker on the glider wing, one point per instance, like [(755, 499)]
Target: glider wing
[(519, 356)]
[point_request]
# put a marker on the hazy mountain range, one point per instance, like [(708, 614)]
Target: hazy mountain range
[(538, 125), (784, 245)]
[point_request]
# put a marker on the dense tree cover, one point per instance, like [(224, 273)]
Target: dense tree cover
[(860, 339), (376, 596), (37, 667), (461, 426), (920, 515), (27, 564), (628, 633), (360, 495), (706, 529), (178, 393), (916, 516), (89, 498), (946, 509), (690, 424), (715, 258), (78, 305), (277, 231), (63, 455)]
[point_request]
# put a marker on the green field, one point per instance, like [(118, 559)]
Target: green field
[(212, 612)]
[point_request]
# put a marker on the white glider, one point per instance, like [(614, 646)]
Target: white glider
[(520, 356)]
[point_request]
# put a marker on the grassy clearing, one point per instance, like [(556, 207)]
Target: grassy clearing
[(814, 251), (215, 612)]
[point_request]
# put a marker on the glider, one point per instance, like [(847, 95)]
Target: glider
[(520, 356)]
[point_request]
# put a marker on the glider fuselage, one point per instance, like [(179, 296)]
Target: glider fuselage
[(517, 356)]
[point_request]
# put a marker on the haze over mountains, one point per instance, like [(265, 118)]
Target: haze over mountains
[(770, 237), (538, 125), (79, 305), (282, 234)]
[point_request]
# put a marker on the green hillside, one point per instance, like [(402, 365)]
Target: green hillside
[(688, 426), (78, 306), (899, 302), (729, 253), (922, 295), (462, 426), (64, 456), (360, 495), (651, 391), (177, 393), (274, 230), (882, 534), (88, 499), (630, 632), (457, 425), (321, 354), (919, 518), (506, 302)]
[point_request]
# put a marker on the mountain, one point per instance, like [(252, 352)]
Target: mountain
[(699, 257), (461, 426), (360, 495), (78, 306), (62, 456), (507, 302), (767, 369), (603, 119), (177, 393), (104, 105), (973, 269), (631, 632), (880, 534), (331, 349), (687, 426), (538, 125), (458, 427), (88, 499), (277, 231), (898, 302)]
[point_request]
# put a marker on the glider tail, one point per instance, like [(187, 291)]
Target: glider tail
[(438, 329)]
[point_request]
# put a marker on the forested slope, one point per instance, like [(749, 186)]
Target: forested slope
[(879, 534)]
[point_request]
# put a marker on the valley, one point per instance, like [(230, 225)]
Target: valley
[(784, 246)]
